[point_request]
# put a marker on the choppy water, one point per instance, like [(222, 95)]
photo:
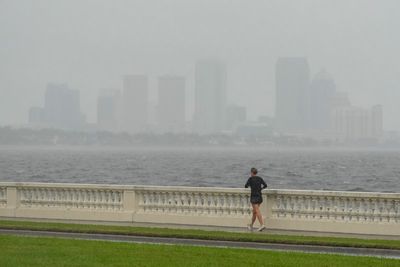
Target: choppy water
[(299, 169)]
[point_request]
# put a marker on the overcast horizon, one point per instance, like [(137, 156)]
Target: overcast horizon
[(91, 44)]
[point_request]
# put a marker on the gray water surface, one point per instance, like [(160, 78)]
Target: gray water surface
[(361, 170)]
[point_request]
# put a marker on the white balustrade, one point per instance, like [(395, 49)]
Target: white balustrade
[(70, 198), (344, 207), (194, 203), (330, 211), (324, 211)]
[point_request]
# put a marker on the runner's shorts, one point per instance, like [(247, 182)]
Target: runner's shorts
[(256, 200)]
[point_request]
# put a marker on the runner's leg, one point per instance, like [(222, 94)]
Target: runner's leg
[(258, 214), (253, 219)]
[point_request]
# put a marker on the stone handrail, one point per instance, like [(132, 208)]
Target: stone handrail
[(304, 210)]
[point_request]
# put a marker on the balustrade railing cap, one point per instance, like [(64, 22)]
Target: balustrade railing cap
[(192, 189), (289, 192), (63, 185), (123, 187), (331, 193)]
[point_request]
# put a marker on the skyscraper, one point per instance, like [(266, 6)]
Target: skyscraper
[(107, 112), (36, 116), (235, 115), (321, 96), (135, 103), (292, 86), (62, 107), (340, 99), (210, 96), (171, 103), (355, 123), (377, 121)]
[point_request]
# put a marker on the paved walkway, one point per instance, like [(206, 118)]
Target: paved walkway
[(213, 228), (386, 253)]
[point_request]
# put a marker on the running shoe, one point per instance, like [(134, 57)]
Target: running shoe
[(262, 228)]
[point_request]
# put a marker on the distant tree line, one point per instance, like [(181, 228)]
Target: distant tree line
[(54, 137)]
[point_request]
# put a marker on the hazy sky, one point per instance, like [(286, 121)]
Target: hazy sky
[(91, 44)]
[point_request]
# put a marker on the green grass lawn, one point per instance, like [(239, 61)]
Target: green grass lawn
[(34, 251), (200, 234)]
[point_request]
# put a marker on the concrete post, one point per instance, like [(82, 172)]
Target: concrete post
[(267, 209), (12, 201), (129, 201), (12, 198)]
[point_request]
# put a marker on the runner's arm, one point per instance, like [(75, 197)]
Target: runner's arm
[(247, 183), (263, 184)]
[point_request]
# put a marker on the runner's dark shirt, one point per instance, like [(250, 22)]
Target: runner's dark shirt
[(256, 184)]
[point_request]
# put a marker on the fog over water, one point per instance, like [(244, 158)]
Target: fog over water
[(280, 85), (351, 170)]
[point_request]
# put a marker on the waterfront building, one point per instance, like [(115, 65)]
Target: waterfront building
[(377, 121), (62, 107), (107, 112), (292, 86), (36, 116), (254, 129), (171, 103), (235, 115), (355, 123), (340, 99), (135, 103), (322, 92), (210, 96)]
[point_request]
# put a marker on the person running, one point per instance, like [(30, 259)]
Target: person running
[(256, 183)]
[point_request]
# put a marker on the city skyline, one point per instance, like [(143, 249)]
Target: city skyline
[(92, 48), (308, 104), (312, 79)]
